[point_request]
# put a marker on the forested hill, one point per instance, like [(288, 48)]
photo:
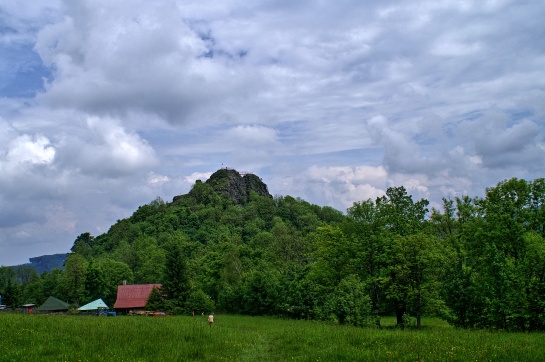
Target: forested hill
[(228, 245), (215, 237)]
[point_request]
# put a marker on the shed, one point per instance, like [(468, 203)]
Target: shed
[(133, 296), (94, 305), (28, 308), (53, 304)]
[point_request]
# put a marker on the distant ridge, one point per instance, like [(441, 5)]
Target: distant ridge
[(44, 263)]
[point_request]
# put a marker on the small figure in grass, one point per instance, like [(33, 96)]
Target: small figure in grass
[(211, 319)]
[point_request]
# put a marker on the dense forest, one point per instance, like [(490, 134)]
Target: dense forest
[(229, 245)]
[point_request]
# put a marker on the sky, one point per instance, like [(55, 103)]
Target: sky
[(106, 105)]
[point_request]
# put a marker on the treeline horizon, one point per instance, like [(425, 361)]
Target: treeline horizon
[(476, 262)]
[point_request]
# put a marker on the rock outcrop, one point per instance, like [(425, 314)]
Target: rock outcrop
[(230, 183)]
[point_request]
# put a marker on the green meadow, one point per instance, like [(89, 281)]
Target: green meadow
[(243, 338)]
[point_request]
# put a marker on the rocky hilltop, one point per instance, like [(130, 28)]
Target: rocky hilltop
[(230, 183)]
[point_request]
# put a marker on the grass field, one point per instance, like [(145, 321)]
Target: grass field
[(241, 338)]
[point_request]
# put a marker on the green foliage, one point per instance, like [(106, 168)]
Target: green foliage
[(477, 263), (399, 214), (30, 284), (350, 302), (12, 295), (73, 279), (114, 273), (95, 283), (52, 284), (260, 291), (364, 228), (156, 300), (198, 302), (496, 266), (83, 245), (148, 256), (176, 275)]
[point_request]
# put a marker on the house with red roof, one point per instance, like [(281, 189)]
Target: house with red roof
[(133, 297)]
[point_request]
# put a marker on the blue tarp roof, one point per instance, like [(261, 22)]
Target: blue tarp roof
[(96, 304)]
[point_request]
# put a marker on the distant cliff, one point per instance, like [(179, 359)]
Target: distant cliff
[(45, 263)]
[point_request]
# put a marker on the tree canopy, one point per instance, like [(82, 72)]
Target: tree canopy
[(476, 262)]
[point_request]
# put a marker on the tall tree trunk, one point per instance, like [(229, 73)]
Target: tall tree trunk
[(400, 311)]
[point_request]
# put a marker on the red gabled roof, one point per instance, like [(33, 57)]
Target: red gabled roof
[(133, 296)]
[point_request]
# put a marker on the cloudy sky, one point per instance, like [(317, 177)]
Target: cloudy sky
[(106, 104)]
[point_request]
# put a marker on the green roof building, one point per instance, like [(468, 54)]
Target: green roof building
[(53, 304)]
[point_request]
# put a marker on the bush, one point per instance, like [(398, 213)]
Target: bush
[(199, 302)]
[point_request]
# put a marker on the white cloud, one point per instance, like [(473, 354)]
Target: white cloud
[(251, 135), (22, 234), (23, 156), (107, 150), (33, 150), (114, 59), (338, 187), (476, 160), (191, 179), (155, 179), (333, 102)]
